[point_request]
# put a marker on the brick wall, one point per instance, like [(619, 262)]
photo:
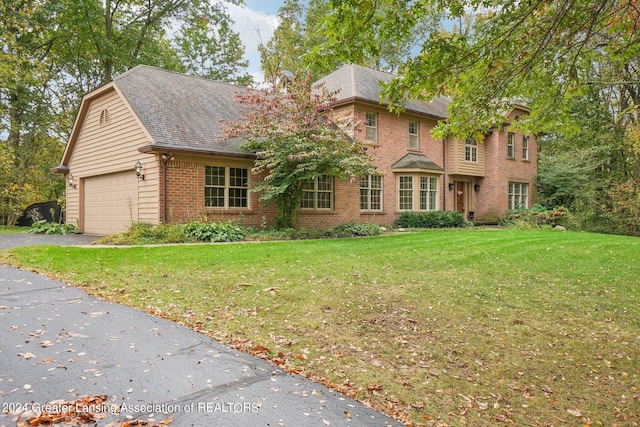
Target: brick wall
[(185, 195), (185, 178), (500, 170)]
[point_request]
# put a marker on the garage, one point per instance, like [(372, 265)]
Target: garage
[(110, 203)]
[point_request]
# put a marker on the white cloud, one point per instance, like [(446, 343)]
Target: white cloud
[(254, 28)]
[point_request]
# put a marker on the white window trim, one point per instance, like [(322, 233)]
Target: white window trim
[(471, 146)]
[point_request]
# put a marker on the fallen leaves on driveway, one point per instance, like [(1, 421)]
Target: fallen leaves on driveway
[(28, 355), (87, 410)]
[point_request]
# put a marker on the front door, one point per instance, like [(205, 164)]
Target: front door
[(460, 196)]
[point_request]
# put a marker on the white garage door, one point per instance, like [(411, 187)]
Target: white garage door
[(110, 203)]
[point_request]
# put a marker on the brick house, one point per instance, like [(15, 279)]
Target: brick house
[(168, 125)]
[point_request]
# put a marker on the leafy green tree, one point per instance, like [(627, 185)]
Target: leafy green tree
[(293, 40), (26, 117), (567, 179), (104, 38), (297, 137), (301, 44), (542, 53), (209, 48), (621, 208)]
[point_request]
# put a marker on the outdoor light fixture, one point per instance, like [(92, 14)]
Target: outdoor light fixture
[(138, 167), (71, 183), (476, 187), (451, 185)]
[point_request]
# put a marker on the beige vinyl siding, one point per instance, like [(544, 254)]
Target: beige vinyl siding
[(112, 147), (456, 164)]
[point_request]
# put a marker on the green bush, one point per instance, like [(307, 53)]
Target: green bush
[(226, 231), (43, 227), (433, 219), (357, 229), (536, 216), (620, 210)]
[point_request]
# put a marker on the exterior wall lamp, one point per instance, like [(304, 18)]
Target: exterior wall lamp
[(476, 187), (71, 179), (139, 173), (451, 185)]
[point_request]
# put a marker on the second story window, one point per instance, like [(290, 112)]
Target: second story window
[(471, 150), (414, 135), (510, 148), (371, 125), (525, 148)]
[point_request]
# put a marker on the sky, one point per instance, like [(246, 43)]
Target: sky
[(255, 22)]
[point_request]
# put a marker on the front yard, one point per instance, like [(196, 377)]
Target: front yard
[(465, 327), (10, 229)]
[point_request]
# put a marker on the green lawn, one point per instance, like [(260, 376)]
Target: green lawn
[(468, 327), (11, 229)]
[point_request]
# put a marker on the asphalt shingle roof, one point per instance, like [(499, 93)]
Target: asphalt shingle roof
[(181, 111), (363, 84), (185, 112), (416, 161)]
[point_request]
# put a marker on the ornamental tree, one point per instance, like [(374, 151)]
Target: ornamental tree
[(296, 137)]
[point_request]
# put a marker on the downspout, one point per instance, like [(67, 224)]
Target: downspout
[(444, 184), (165, 160)]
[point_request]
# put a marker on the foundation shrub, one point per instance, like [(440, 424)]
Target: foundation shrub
[(225, 231), (357, 229), (433, 219)]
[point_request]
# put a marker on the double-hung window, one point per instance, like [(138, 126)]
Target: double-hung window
[(371, 127), (414, 135), (371, 193), (510, 145), (471, 150), (525, 147), (428, 193), (317, 193), (405, 193), (518, 195), (419, 191), (226, 187)]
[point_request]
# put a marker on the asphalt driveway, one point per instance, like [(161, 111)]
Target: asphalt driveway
[(62, 349)]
